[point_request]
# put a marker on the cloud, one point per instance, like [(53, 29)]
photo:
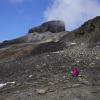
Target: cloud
[(72, 12)]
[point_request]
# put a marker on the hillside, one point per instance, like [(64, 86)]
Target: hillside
[(37, 66)]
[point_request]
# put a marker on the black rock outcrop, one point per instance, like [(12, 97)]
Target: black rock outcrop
[(51, 26)]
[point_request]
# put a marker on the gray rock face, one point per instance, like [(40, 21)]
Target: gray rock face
[(45, 37), (51, 26)]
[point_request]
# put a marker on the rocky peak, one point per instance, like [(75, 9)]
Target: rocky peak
[(51, 26)]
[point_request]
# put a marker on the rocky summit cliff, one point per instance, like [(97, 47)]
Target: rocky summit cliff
[(37, 66), (51, 26)]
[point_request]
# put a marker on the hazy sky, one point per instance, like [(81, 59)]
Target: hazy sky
[(17, 16)]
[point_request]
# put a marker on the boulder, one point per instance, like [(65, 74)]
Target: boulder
[(51, 26)]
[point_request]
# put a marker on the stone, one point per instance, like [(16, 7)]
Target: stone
[(64, 87), (41, 91), (80, 78), (51, 26), (76, 85), (51, 90), (69, 86), (30, 76), (92, 65), (51, 83)]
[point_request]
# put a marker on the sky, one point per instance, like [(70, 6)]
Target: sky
[(18, 16)]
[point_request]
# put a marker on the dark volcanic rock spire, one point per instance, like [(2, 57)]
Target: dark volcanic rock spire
[(51, 26)]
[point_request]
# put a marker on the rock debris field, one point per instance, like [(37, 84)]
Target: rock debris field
[(37, 66)]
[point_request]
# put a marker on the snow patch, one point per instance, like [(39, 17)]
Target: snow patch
[(4, 84)]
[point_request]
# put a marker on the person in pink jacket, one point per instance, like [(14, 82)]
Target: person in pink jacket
[(74, 72)]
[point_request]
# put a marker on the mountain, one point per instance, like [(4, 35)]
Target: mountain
[(37, 66)]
